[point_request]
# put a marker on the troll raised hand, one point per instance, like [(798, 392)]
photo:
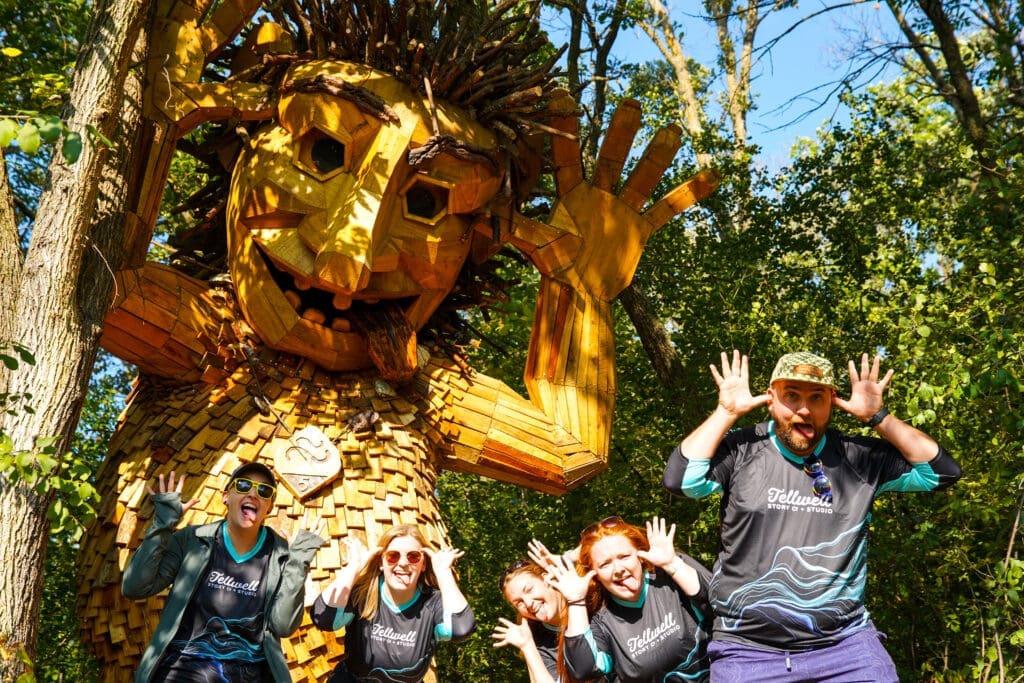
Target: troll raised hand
[(362, 175)]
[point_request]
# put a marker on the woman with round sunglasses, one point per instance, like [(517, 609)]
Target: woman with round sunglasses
[(654, 622), (237, 586), (396, 603), (543, 612)]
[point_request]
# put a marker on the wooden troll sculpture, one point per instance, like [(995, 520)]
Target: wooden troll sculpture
[(373, 154)]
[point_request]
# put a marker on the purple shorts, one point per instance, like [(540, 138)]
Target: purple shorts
[(857, 659)]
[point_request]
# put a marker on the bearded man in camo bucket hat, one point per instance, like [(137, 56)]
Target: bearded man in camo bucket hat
[(788, 594)]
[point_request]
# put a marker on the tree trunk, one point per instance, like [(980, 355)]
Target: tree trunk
[(65, 285), (10, 256), (960, 95), (653, 336)]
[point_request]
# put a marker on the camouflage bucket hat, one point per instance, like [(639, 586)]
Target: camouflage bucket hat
[(804, 366)]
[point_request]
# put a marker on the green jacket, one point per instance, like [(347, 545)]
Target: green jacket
[(180, 557)]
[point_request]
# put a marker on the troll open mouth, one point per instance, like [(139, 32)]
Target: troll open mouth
[(380, 319)]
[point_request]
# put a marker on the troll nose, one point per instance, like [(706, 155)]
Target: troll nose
[(345, 258)]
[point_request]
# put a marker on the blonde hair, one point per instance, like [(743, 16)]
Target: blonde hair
[(366, 591)]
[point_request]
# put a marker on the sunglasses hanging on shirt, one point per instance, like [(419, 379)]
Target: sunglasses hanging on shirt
[(822, 486)]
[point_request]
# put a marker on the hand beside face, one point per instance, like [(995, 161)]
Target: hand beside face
[(534, 599), (618, 567)]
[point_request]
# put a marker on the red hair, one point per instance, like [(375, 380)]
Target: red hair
[(610, 526)]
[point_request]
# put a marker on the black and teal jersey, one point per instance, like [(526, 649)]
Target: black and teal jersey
[(224, 619), (395, 646), (792, 567), (660, 638)]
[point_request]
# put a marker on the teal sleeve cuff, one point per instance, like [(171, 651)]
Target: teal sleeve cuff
[(343, 618), (443, 631), (921, 477), (695, 482), (602, 659)]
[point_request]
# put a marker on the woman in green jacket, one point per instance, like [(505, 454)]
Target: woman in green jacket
[(237, 586)]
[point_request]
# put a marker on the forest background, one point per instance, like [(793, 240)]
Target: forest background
[(894, 229)]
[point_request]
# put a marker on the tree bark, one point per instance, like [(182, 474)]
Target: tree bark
[(10, 255), (961, 95), (661, 32), (653, 336), (953, 81), (65, 285)]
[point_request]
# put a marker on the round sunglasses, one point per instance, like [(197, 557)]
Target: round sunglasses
[(264, 491), (394, 556)]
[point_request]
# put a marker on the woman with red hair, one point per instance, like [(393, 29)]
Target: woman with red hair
[(655, 620)]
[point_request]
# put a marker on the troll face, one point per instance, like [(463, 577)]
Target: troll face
[(349, 220)]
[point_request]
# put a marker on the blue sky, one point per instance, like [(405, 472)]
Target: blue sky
[(791, 84)]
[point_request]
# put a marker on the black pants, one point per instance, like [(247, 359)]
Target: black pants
[(184, 669)]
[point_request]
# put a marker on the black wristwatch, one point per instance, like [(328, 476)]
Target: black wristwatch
[(877, 418)]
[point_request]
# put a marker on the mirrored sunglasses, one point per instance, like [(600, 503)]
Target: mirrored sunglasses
[(412, 557), (822, 486), (264, 491)]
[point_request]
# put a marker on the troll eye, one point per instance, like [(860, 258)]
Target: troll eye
[(327, 154), (426, 201), (320, 154)]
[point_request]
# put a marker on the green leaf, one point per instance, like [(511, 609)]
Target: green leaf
[(8, 131), (72, 147), (95, 133), (50, 128), (924, 331), (10, 361), (28, 138), (46, 442)]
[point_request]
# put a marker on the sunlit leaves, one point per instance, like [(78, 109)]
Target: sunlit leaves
[(31, 133)]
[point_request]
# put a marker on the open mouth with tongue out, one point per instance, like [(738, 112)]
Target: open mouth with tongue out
[(626, 586), (804, 430), (250, 511)]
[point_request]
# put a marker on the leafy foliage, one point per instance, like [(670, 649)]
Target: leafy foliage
[(879, 236), (37, 54)]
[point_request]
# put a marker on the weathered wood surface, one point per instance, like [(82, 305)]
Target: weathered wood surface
[(353, 206)]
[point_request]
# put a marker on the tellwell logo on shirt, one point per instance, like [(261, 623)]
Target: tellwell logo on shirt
[(387, 634), (221, 581), (652, 636), (794, 501)]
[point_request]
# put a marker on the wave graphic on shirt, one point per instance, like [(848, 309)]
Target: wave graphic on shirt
[(410, 674), (802, 592), (221, 640)]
